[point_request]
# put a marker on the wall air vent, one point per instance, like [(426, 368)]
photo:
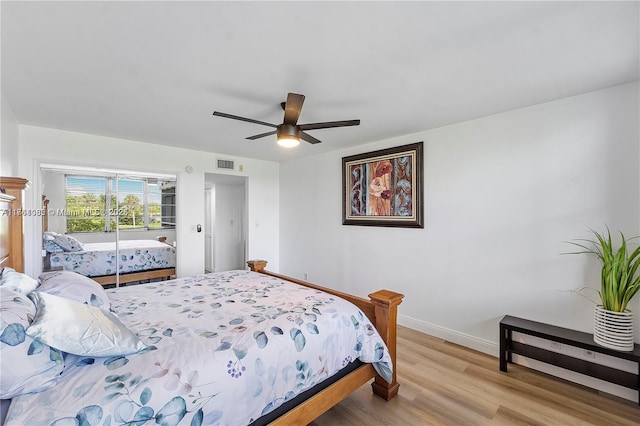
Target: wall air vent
[(226, 165)]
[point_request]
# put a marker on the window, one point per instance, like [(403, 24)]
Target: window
[(98, 204), (86, 204)]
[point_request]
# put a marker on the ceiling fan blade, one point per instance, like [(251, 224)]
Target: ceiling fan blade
[(292, 108), (309, 138), (261, 135), (250, 120), (329, 124)]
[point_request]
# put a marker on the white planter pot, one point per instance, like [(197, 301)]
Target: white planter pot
[(613, 330)]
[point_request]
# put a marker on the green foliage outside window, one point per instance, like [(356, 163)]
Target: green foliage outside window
[(144, 204), (86, 212)]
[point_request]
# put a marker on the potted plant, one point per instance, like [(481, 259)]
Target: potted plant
[(620, 281)]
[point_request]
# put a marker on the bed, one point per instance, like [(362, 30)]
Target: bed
[(186, 327), (135, 259)]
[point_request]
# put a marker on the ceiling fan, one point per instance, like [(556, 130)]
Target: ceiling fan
[(290, 132)]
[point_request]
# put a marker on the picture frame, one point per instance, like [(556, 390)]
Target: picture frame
[(384, 187)]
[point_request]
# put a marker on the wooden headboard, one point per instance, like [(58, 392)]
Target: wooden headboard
[(5, 247), (11, 229)]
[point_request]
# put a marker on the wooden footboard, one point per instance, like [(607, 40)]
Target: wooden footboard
[(136, 276), (382, 310)]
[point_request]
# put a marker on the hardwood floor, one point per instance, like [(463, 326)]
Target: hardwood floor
[(445, 384)]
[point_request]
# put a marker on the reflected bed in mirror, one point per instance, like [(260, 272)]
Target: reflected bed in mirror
[(136, 260)]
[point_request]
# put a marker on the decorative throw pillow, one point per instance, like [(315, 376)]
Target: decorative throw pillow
[(68, 243), (49, 235), (51, 247), (26, 365), (17, 281), (80, 329), (74, 286)]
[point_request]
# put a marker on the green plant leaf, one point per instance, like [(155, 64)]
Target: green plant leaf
[(620, 274)]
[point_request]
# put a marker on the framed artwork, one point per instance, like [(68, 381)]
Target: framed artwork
[(384, 188)]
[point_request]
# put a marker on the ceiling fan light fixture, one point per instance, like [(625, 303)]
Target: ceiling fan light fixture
[(288, 135), (288, 142)]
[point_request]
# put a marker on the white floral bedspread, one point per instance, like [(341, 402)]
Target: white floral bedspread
[(225, 349), (98, 259)]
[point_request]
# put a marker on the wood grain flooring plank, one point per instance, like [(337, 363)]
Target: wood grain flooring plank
[(442, 383)]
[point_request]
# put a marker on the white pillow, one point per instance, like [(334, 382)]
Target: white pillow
[(49, 235), (74, 286), (26, 365), (17, 281), (80, 329), (68, 243)]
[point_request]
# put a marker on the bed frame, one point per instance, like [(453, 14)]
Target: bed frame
[(382, 309), (165, 273), (130, 277)]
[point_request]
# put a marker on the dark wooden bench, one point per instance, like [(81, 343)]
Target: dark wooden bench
[(574, 338)]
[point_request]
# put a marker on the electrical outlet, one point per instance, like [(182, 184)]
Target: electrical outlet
[(556, 345), (306, 276), (588, 354)]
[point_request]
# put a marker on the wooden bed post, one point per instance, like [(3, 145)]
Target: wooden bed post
[(386, 312), (45, 213), (257, 265)]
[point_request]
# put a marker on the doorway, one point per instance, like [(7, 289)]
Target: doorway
[(225, 222)]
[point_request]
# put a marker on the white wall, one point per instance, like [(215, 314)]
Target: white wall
[(43, 145), (8, 140), (503, 194)]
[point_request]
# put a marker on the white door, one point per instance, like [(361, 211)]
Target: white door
[(229, 234), (209, 203)]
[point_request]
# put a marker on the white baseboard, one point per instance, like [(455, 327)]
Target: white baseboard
[(449, 335)]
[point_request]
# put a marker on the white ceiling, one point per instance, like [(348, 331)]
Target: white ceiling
[(155, 71)]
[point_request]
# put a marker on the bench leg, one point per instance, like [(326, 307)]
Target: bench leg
[(504, 334)]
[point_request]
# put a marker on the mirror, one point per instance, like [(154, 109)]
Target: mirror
[(117, 227)]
